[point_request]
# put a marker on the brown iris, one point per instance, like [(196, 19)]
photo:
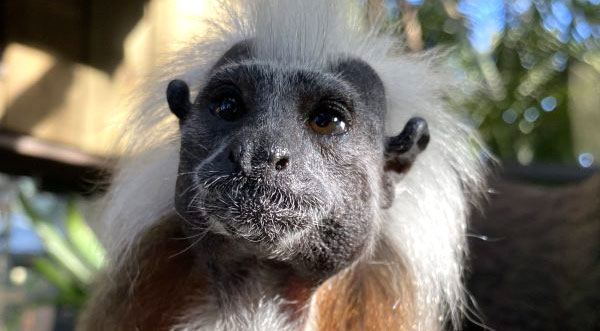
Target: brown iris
[(328, 124), (327, 118)]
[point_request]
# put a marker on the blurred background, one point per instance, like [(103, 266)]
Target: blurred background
[(66, 65)]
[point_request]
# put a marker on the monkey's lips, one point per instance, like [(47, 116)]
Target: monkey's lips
[(260, 212)]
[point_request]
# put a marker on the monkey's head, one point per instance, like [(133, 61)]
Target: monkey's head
[(289, 163)]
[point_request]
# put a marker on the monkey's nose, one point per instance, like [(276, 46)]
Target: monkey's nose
[(279, 159), (250, 159)]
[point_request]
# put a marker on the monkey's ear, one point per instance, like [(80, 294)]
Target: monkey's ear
[(178, 97), (402, 150)]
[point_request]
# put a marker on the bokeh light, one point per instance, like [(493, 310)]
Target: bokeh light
[(548, 104), (586, 160)]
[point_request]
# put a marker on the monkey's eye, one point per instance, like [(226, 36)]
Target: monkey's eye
[(327, 118), (328, 123), (228, 108)]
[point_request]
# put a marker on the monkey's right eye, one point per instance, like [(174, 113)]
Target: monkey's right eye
[(328, 124), (229, 108), (327, 119)]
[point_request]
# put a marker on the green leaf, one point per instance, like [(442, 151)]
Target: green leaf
[(83, 238), (56, 276), (56, 244)]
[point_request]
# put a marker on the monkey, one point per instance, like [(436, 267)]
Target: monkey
[(302, 174)]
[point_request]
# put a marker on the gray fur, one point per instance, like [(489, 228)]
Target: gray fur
[(323, 193)]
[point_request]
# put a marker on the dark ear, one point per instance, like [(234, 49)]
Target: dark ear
[(178, 97), (402, 150)]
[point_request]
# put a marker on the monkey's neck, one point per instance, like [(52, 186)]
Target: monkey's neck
[(247, 286), (213, 283), (234, 276), (176, 289)]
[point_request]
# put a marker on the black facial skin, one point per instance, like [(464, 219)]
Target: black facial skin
[(276, 158)]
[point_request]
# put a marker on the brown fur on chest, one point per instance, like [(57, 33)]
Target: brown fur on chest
[(162, 282), (366, 298), (150, 290)]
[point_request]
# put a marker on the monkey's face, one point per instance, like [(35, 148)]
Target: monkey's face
[(290, 164)]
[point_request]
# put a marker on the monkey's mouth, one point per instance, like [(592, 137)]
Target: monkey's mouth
[(257, 210)]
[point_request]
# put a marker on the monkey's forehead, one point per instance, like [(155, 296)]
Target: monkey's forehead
[(349, 78), (256, 74), (268, 68)]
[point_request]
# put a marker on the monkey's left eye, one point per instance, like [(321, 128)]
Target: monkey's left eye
[(327, 121), (229, 108)]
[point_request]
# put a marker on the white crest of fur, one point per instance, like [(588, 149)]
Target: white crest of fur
[(426, 224), (427, 221)]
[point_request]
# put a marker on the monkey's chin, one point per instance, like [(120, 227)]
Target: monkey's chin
[(305, 245), (265, 243), (265, 230), (269, 216)]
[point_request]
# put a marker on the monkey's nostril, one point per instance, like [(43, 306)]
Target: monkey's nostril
[(232, 157), (281, 164)]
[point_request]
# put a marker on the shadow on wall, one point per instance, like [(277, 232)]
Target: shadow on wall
[(72, 32), (76, 30), (53, 86)]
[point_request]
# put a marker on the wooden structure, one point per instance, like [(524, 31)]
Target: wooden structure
[(65, 69)]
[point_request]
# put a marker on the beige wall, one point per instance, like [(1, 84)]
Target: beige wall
[(50, 95)]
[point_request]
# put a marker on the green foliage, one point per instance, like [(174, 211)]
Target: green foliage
[(72, 259), (522, 108), (83, 238)]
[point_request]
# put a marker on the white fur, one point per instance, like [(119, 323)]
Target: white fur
[(264, 315), (427, 221)]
